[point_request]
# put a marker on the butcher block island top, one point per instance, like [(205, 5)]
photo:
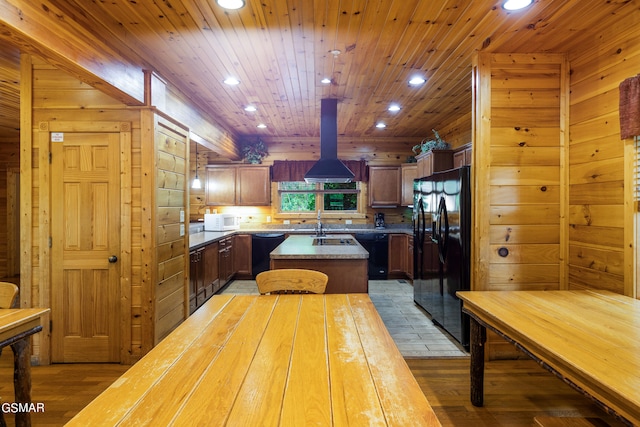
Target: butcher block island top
[(269, 360), (339, 256)]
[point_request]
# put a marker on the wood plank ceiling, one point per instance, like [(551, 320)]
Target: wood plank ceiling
[(281, 49)]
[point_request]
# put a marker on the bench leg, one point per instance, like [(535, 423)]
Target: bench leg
[(478, 338), (22, 378)]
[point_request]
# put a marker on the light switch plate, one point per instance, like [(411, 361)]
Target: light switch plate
[(181, 230), (181, 216)]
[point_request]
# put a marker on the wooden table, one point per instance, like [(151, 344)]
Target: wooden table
[(590, 339), (16, 327), (269, 360)]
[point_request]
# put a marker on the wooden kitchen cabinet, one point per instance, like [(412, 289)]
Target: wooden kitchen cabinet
[(398, 249), (462, 156), (225, 260), (242, 255), (211, 269), (409, 172), (238, 185), (400, 256), (384, 186), (434, 161), (196, 278), (203, 275)]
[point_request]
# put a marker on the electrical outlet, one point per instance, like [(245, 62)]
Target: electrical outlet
[(181, 230), (348, 221), (181, 216), (286, 222)]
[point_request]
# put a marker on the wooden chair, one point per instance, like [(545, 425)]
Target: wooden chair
[(8, 294), (291, 281)]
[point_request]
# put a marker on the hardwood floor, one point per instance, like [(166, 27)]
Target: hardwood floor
[(515, 391)]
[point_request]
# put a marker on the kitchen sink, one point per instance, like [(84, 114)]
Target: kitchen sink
[(322, 241)]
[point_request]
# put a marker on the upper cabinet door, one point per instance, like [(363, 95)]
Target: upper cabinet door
[(253, 186), (221, 186), (384, 186), (235, 185)]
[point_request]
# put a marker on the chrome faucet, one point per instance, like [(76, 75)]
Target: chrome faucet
[(319, 230)]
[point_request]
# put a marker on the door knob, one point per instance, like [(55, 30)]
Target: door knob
[(113, 259)]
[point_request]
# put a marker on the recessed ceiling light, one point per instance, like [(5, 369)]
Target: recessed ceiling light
[(231, 4), (394, 107), (231, 81), (250, 108), (417, 80), (261, 126), (516, 4), (326, 80), (380, 125)]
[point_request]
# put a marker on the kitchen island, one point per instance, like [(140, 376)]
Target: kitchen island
[(339, 256)]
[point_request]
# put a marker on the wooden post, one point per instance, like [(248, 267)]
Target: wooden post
[(478, 337)]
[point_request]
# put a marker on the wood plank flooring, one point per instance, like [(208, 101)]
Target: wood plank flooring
[(516, 391)]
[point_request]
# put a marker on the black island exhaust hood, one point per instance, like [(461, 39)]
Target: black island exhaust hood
[(329, 168)]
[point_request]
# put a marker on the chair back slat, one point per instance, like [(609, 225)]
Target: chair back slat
[(8, 293), (291, 280)]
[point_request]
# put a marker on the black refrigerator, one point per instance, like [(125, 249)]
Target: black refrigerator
[(442, 248)]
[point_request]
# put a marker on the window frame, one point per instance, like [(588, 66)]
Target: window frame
[(319, 193)]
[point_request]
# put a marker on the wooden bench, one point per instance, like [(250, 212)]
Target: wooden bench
[(548, 421)]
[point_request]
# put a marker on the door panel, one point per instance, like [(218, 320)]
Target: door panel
[(85, 234)]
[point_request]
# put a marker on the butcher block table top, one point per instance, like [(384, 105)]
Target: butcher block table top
[(302, 247), (589, 338), (269, 360)]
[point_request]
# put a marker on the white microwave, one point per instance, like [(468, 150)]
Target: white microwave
[(221, 222)]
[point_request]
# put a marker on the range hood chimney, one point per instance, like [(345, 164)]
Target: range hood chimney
[(329, 168)]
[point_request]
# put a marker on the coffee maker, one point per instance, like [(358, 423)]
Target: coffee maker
[(379, 220)]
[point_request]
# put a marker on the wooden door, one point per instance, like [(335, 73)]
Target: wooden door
[(85, 244)]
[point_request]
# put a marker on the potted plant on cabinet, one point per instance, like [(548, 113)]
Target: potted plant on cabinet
[(254, 152), (429, 144)]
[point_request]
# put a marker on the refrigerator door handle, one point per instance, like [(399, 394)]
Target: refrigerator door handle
[(443, 230)]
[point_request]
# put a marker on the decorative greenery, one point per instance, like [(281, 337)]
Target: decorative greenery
[(431, 144), (254, 152)]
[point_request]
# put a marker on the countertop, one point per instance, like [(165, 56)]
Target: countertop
[(202, 238), (302, 247)]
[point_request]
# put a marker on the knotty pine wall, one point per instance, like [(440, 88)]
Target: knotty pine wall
[(171, 153), (601, 231), (520, 165), (9, 202)]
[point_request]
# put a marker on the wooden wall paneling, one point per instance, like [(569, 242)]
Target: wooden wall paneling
[(171, 213), (481, 110), (13, 220), (28, 147), (518, 166), (602, 209), (126, 241), (147, 229), (44, 216)]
